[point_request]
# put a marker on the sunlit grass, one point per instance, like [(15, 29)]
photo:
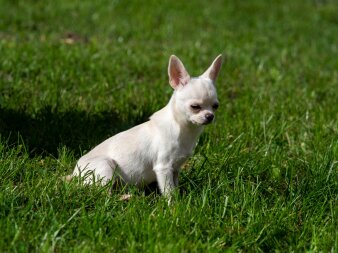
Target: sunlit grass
[(263, 177)]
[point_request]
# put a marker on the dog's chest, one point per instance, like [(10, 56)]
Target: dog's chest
[(177, 153)]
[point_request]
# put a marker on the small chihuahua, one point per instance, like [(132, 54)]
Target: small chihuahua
[(155, 150)]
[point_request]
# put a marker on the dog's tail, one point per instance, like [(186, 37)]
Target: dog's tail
[(67, 178)]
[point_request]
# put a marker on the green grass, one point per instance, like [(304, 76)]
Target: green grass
[(264, 177)]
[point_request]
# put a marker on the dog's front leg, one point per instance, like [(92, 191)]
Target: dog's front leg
[(165, 179)]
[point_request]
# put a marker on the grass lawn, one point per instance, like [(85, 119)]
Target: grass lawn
[(263, 178)]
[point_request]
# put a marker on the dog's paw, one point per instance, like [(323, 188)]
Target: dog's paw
[(125, 197)]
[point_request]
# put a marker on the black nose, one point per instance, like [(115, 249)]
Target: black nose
[(209, 117)]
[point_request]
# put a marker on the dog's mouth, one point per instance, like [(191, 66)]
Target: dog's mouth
[(201, 123), (206, 123)]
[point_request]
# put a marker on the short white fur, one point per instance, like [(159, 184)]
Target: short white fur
[(155, 150)]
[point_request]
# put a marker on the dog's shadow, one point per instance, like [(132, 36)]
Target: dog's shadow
[(48, 130)]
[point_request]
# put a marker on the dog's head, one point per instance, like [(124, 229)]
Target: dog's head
[(195, 99)]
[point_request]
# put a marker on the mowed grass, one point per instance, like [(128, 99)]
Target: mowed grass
[(263, 178)]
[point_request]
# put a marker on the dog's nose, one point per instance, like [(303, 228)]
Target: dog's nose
[(209, 117)]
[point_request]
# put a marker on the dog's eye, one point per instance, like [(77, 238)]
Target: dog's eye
[(215, 106), (195, 107)]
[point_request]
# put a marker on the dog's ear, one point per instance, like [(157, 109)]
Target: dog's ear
[(213, 70), (177, 72)]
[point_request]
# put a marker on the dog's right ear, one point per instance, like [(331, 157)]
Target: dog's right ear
[(177, 72)]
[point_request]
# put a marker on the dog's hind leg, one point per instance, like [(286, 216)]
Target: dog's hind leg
[(96, 169)]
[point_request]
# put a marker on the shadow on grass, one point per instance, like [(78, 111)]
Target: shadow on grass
[(49, 129)]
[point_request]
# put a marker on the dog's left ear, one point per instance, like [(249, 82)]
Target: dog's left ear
[(213, 70)]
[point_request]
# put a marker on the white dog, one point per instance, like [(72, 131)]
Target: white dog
[(155, 150)]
